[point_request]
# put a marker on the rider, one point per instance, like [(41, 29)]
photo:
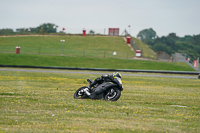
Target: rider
[(99, 80)]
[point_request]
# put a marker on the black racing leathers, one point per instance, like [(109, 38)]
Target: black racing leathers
[(99, 80)]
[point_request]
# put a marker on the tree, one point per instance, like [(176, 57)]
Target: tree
[(161, 47), (173, 36), (6, 31), (42, 31), (171, 43), (47, 28), (91, 32), (147, 34), (196, 39)]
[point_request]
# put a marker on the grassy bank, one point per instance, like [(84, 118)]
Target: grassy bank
[(146, 51), (79, 51), (43, 102), (92, 46), (86, 62)]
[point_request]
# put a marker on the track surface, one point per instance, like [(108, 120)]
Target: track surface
[(98, 73)]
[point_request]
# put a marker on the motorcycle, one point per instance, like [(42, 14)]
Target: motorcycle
[(111, 90)]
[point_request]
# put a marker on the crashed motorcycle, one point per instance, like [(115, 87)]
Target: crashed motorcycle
[(111, 90)]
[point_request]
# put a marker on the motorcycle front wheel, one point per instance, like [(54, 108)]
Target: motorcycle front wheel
[(112, 95), (79, 94)]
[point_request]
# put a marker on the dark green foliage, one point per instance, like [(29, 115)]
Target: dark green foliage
[(42, 29), (47, 28), (147, 34), (172, 43), (6, 31)]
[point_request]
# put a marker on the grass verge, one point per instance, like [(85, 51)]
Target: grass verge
[(86, 62), (43, 102)]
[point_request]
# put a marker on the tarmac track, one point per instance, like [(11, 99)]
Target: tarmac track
[(98, 73)]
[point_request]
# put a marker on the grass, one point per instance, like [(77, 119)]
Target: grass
[(43, 102), (86, 62), (146, 51), (78, 51), (95, 46)]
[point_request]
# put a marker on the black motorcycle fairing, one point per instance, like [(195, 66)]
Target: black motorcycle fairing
[(118, 84), (99, 91), (107, 90), (101, 87)]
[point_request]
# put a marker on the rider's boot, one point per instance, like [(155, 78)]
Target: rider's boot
[(86, 90), (90, 95)]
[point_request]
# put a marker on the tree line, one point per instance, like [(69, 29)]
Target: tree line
[(45, 28), (171, 43), (41, 29)]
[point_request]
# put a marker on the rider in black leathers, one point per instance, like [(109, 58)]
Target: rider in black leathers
[(107, 78)]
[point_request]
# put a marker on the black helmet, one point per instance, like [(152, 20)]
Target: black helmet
[(116, 74)]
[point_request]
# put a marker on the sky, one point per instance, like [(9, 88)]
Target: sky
[(163, 16)]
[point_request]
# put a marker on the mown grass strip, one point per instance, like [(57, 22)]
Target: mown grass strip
[(85, 62)]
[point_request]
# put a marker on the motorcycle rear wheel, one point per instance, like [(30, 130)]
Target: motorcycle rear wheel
[(113, 95), (79, 94)]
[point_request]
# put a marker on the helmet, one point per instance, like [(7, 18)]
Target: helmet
[(116, 74)]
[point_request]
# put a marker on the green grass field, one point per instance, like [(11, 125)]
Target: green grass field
[(43, 102), (78, 51), (86, 62), (91, 46)]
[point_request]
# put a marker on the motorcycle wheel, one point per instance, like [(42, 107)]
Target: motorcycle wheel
[(112, 95), (79, 94)]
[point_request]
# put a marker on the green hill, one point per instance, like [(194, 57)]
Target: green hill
[(92, 46), (78, 51), (146, 51)]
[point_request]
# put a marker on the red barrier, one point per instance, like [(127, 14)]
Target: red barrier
[(195, 63), (17, 50), (84, 32), (128, 39), (138, 53)]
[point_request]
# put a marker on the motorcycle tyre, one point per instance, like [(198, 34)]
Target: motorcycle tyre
[(76, 96), (115, 98)]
